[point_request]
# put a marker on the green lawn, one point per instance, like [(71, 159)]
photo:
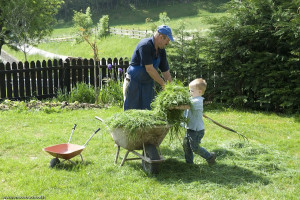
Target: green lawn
[(195, 15), (266, 168)]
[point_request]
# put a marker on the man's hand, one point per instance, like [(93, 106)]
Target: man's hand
[(155, 75)]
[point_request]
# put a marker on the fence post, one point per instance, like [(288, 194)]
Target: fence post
[(66, 68), (79, 70), (27, 80), (33, 78), (2, 81), (8, 81), (55, 73), (116, 64), (21, 79), (50, 78), (45, 77), (15, 80), (39, 78), (85, 71), (103, 69), (61, 75), (73, 72)]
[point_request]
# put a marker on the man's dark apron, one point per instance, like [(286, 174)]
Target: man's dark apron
[(140, 91)]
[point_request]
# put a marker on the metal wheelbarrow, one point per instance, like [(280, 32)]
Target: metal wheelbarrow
[(147, 140), (66, 151)]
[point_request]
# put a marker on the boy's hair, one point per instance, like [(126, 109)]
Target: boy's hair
[(199, 83)]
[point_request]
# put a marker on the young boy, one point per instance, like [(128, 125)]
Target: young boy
[(195, 125)]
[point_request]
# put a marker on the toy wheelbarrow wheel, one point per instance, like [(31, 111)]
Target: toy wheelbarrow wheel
[(53, 162)]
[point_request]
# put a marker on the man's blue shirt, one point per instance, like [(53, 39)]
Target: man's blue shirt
[(145, 53)]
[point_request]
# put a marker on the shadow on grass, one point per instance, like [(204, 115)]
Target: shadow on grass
[(178, 152), (173, 170), (72, 167)]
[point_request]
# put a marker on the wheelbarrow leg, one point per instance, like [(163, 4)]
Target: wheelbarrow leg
[(72, 162), (81, 158), (117, 154), (126, 154)]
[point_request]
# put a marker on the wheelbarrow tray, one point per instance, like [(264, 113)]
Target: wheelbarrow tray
[(152, 135), (64, 151)]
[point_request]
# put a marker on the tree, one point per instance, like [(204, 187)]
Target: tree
[(256, 50), (163, 18), (83, 25), (103, 26), (26, 21), (184, 54)]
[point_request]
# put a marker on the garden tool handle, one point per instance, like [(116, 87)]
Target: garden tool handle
[(99, 119), (72, 133), (91, 136)]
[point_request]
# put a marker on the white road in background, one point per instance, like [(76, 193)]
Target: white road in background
[(33, 50)]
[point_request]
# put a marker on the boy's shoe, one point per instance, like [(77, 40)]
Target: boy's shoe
[(212, 160)]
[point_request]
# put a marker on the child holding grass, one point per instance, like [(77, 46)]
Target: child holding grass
[(195, 124)]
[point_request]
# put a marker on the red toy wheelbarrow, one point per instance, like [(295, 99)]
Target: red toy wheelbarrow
[(66, 151)]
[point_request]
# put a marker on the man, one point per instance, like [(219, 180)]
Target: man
[(148, 56)]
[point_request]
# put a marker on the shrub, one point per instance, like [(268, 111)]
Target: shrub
[(82, 93), (112, 93)]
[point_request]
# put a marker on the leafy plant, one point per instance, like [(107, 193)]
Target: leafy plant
[(112, 93), (103, 26), (255, 52), (82, 93)]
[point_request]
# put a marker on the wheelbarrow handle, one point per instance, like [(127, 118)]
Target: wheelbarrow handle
[(91, 136), (72, 133)]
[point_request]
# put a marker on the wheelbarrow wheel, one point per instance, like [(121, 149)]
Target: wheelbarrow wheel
[(152, 153), (54, 162)]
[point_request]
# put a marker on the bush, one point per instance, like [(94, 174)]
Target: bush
[(82, 93), (255, 52), (112, 93)]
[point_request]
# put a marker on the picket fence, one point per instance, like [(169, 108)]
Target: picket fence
[(19, 81)]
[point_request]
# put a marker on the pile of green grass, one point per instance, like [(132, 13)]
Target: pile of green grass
[(174, 94), (130, 120)]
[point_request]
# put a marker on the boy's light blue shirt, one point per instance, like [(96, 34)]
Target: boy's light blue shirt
[(195, 114)]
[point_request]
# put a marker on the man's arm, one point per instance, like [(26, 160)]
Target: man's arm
[(155, 75), (167, 76)]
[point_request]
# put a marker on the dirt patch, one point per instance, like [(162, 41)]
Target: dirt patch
[(7, 105)]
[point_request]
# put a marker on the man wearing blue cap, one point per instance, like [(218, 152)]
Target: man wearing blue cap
[(148, 56)]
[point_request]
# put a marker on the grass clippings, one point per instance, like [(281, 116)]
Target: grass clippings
[(174, 94)]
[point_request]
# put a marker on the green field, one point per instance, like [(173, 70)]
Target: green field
[(265, 168), (195, 15)]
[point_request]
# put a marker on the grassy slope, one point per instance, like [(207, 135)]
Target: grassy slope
[(195, 15), (266, 168)]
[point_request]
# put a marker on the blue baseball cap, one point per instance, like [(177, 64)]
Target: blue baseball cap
[(164, 29)]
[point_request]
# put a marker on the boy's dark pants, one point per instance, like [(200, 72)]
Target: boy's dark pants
[(191, 143)]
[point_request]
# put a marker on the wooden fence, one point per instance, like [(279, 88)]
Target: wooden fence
[(133, 33), (19, 81)]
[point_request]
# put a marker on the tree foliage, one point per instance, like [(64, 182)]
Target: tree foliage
[(184, 55), (83, 25), (103, 26), (256, 53), (26, 21)]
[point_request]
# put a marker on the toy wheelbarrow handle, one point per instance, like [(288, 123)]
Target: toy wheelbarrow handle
[(91, 136), (72, 133)]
